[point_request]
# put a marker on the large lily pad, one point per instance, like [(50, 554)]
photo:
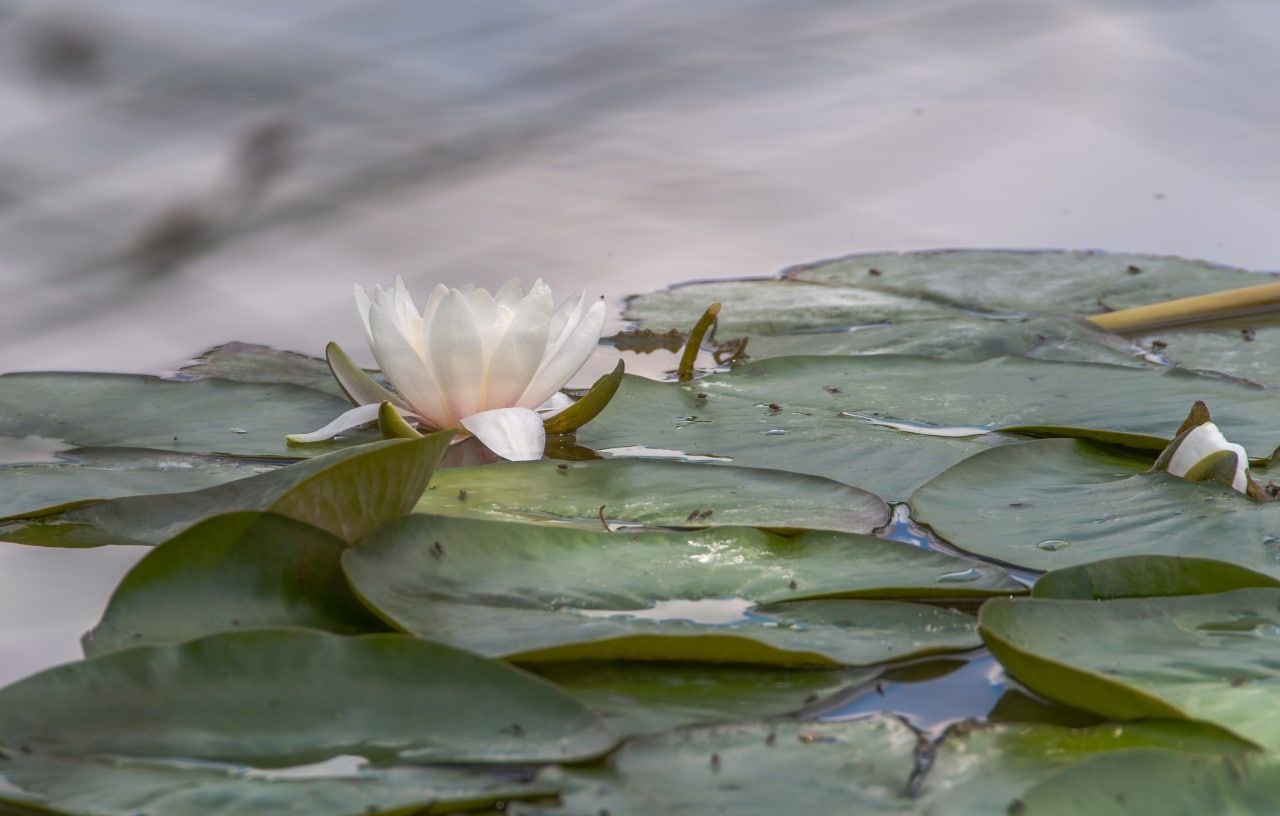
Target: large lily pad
[(667, 606), (283, 697), (106, 473), (111, 786), (850, 418), (1156, 781), (872, 765), (347, 493), (960, 338), (134, 411), (768, 306), (1248, 353), (1202, 657), (653, 493), (240, 570), (646, 698), (1146, 576), (545, 565), (253, 363), (1053, 503), (1056, 282)]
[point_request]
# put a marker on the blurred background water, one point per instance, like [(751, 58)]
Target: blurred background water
[(176, 173)]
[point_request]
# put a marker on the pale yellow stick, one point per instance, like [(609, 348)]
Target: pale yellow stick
[(1233, 303)]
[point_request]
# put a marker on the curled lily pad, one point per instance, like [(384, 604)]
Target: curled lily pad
[(652, 493), (1208, 658), (132, 411), (282, 697), (347, 493), (537, 594), (1144, 576), (239, 570), (1053, 503)]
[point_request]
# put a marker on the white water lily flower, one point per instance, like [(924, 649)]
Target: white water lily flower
[(490, 364), (1201, 449)]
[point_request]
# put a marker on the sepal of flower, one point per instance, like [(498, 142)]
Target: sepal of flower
[(489, 364)]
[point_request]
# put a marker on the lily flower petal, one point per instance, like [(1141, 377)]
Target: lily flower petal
[(573, 353), (1203, 446), (558, 402), (519, 352), (360, 415), (455, 348), (406, 370), (512, 433)]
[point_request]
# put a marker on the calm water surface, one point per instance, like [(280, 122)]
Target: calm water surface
[(174, 174)]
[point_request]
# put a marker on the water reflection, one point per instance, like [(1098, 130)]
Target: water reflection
[(177, 174)]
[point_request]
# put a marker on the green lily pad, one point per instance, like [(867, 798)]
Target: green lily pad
[(889, 423), (546, 565), (1146, 576), (1247, 353), (1156, 781), (239, 570), (1057, 282), (1053, 503), (648, 698), (961, 338), (253, 363), (870, 765), (282, 697), (111, 786), (535, 595), (347, 493), (1209, 658), (107, 473), (134, 411), (653, 493), (768, 306)]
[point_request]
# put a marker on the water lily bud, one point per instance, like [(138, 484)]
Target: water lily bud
[(1203, 452)]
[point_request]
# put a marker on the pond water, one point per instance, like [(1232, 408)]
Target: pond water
[(177, 174)]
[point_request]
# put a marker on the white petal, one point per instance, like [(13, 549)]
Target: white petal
[(407, 316), (360, 415), (1201, 442), (363, 304), (511, 293), (558, 402), (519, 352), (409, 373), (574, 352), (566, 318), (454, 348), (512, 433)]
